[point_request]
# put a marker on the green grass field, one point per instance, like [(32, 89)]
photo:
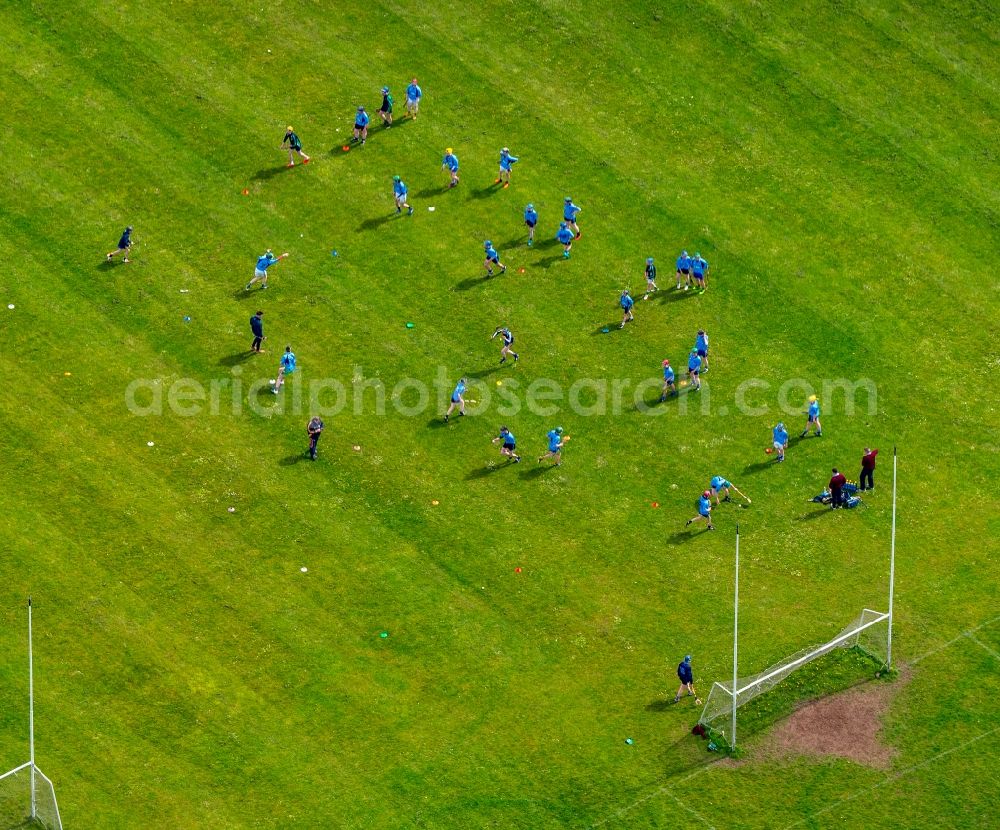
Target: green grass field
[(836, 163)]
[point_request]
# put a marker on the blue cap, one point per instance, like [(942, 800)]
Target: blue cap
[(530, 206), (562, 224), (385, 89), (395, 178), (361, 109), (488, 244), (649, 260), (569, 198), (687, 658)]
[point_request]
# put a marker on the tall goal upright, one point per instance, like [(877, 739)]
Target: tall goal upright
[(871, 631), (27, 796)]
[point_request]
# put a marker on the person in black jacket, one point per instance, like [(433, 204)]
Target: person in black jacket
[(257, 327), (686, 677), (315, 429)]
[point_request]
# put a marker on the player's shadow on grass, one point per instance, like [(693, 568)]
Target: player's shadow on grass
[(236, 359), (660, 705), (484, 472), (825, 510), (532, 473), (437, 423), (482, 373), (396, 124), (682, 536), (669, 295), (549, 261), (431, 192), (377, 221), (266, 173), (648, 404), (243, 294), (750, 469), (108, 264), (485, 192), (472, 282)]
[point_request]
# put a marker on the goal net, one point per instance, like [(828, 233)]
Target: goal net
[(28, 800), (869, 632)]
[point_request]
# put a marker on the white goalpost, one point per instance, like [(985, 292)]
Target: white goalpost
[(27, 796), (870, 631)]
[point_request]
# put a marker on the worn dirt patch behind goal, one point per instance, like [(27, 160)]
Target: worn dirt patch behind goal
[(844, 725)]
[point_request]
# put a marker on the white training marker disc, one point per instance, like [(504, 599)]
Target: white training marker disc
[(431, 209), (149, 443), (232, 509), (11, 306), (304, 569)]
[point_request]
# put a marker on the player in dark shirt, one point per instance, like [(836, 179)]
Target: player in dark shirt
[(291, 141), (124, 245), (315, 429), (837, 483)]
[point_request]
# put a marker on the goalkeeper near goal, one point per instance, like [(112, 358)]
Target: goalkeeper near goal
[(686, 676)]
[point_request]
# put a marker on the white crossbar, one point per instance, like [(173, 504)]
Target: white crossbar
[(16, 770), (807, 657)]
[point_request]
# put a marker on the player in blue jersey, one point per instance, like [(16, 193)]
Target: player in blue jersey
[(699, 270), (704, 511), (626, 302), (565, 236), (718, 484), (569, 215), (684, 270), (556, 441), (264, 261), (694, 370), (650, 278), (813, 418), (399, 191), (457, 400), (285, 367), (360, 126), (450, 163), (668, 381), (506, 162), (701, 346), (779, 440), (509, 444), (508, 341), (124, 245), (530, 220), (413, 95), (492, 258)]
